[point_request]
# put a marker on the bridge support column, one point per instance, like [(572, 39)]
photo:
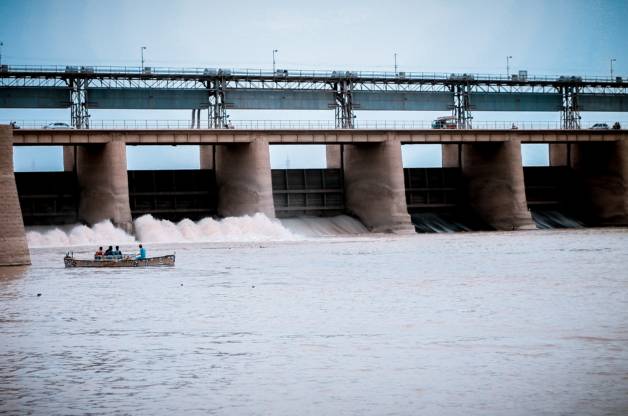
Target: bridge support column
[(13, 247), (68, 158), (374, 186), (104, 184), (206, 156), (559, 154), (494, 173), (602, 169), (244, 179), (333, 154), (450, 155)]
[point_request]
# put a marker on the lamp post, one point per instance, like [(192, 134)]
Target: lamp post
[(508, 58), (274, 62), (142, 49), (395, 62), (1, 45), (612, 60)]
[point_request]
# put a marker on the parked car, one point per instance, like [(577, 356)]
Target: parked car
[(599, 126), (58, 125)]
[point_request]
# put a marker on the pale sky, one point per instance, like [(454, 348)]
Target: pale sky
[(543, 37)]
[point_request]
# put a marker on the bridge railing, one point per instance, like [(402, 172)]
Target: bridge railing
[(288, 124), (279, 74)]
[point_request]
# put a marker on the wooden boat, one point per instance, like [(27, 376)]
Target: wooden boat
[(70, 261)]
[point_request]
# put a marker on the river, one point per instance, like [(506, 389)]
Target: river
[(483, 323)]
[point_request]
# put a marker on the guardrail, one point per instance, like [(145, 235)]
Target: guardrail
[(290, 124), (295, 73)]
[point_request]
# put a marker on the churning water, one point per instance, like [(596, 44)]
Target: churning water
[(521, 323)]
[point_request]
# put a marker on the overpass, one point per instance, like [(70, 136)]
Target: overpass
[(218, 90), (482, 174)]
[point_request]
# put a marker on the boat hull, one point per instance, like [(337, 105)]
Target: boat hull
[(126, 262)]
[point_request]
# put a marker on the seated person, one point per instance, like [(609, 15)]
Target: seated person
[(109, 251), (142, 254), (99, 253), (117, 252)]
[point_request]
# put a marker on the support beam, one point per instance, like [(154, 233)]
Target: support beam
[(104, 185), (206, 153), (13, 247), (450, 155), (333, 155), (244, 179), (68, 158), (494, 173), (602, 169), (374, 186), (559, 154)]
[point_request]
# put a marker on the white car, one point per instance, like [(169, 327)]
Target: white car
[(599, 126), (58, 125)]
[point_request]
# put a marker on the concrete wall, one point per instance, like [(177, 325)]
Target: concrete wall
[(244, 180), (602, 171), (450, 155), (559, 154), (333, 155), (206, 153), (13, 247), (68, 158), (494, 174), (374, 186), (103, 183)]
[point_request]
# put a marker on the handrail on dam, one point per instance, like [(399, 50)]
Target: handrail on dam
[(293, 124), (88, 71)]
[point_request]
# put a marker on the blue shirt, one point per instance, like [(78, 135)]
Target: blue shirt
[(142, 253)]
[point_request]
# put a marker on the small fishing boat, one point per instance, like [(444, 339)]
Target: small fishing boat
[(114, 261)]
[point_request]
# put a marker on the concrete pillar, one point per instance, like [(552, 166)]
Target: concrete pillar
[(206, 156), (374, 186), (558, 154), (602, 170), (68, 158), (13, 247), (244, 179), (450, 155), (333, 154), (494, 173), (103, 183)]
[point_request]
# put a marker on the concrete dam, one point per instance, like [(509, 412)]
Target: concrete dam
[(482, 178)]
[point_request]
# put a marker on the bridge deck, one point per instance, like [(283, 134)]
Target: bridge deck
[(44, 137)]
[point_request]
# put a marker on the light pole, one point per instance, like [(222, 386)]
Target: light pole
[(612, 60), (1, 45), (508, 58), (142, 49), (274, 63), (395, 62)]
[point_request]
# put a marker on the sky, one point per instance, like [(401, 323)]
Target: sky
[(543, 37)]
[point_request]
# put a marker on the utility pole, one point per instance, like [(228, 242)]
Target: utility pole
[(508, 58), (612, 60), (274, 62), (2, 44), (142, 49), (395, 62)]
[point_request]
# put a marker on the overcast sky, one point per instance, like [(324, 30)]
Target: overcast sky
[(544, 37)]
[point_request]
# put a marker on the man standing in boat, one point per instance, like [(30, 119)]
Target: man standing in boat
[(142, 254)]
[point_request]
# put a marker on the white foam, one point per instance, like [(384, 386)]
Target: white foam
[(79, 235), (341, 225)]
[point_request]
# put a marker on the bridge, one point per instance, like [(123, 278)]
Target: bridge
[(218, 90), (482, 177)]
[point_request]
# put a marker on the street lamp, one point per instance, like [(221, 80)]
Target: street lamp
[(274, 52), (1, 45), (508, 58), (142, 49), (612, 60), (395, 62)]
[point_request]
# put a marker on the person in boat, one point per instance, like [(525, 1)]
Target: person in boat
[(117, 252), (142, 254), (109, 251), (99, 253)]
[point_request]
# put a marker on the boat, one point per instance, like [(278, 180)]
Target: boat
[(116, 261)]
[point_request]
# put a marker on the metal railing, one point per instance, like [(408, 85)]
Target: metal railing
[(288, 124), (295, 73)]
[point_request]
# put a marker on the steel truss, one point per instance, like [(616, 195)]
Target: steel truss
[(79, 116), (344, 105), (570, 113)]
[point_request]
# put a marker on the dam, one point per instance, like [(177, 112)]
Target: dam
[(482, 177)]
